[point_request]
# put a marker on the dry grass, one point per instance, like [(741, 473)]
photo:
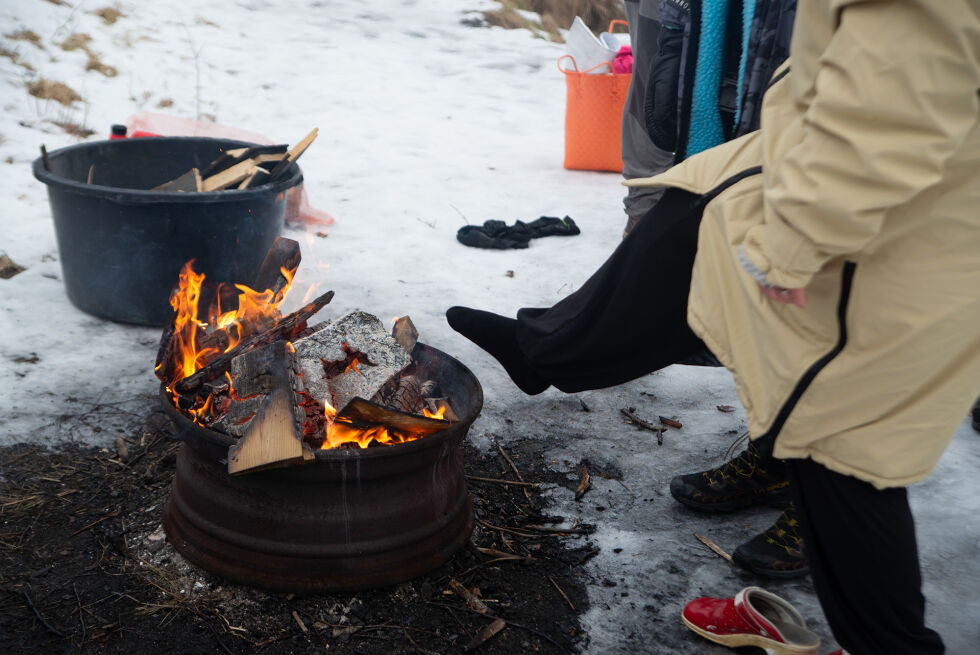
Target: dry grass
[(81, 42), (15, 57), (49, 90), (95, 64), (26, 35), (556, 14), (164, 103), (75, 129), (109, 14), (75, 41)]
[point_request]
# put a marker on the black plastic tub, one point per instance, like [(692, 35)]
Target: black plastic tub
[(122, 246)]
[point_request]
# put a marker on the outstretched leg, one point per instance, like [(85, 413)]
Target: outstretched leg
[(627, 320)]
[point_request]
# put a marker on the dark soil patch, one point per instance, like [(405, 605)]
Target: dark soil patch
[(84, 568)]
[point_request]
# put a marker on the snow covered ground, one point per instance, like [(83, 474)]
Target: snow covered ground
[(426, 124)]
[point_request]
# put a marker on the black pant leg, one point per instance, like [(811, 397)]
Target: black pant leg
[(630, 317), (860, 542)]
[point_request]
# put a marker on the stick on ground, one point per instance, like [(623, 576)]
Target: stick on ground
[(713, 546)]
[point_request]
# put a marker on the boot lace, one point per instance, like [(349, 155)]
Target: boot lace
[(743, 466), (785, 532)]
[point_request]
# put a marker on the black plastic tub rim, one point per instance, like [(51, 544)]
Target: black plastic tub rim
[(147, 196)]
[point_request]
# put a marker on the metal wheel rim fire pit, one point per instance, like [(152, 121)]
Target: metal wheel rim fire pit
[(353, 519)]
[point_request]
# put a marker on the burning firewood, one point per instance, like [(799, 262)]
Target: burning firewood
[(283, 255), (283, 330), (273, 436), (282, 258), (405, 334), (441, 408), (274, 382), (362, 411), (253, 376), (353, 356)]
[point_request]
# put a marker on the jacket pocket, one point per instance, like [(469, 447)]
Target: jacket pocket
[(767, 440)]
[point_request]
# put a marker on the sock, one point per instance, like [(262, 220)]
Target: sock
[(547, 226), (498, 336)]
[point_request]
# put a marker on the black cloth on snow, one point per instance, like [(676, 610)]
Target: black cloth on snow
[(500, 236), (630, 318)]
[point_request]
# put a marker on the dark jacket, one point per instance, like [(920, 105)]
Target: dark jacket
[(714, 60)]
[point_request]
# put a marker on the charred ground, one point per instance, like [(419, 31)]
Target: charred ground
[(84, 568)]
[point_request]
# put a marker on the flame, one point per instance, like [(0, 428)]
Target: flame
[(439, 413), (340, 430), (255, 311)]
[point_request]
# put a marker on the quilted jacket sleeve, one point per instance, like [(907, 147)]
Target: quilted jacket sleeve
[(894, 93)]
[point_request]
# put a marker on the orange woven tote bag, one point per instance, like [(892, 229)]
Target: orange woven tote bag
[(594, 117)]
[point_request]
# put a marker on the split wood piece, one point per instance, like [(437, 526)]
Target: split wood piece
[(486, 633), (44, 158), (229, 177), (273, 437), (364, 412), (259, 153), (405, 333), (254, 375), (269, 158), (471, 599), (403, 393), (353, 356), (293, 154), (285, 329), (186, 183), (224, 160), (283, 254), (91, 174), (258, 174), (271, 440)]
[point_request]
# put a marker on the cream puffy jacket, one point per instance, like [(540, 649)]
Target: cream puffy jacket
[(868, 197)]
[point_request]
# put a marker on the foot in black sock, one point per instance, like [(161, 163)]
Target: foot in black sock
[(498, 336)]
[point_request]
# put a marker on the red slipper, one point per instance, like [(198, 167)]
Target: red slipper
[(754, 617)]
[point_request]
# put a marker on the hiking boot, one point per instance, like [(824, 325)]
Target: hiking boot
[(777, 552), (975, 414), (749, 479)]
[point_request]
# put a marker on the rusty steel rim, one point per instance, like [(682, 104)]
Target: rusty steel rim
[(353, 519)]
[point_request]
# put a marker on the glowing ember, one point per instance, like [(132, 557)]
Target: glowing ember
[(440, 413), (341, 430)]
